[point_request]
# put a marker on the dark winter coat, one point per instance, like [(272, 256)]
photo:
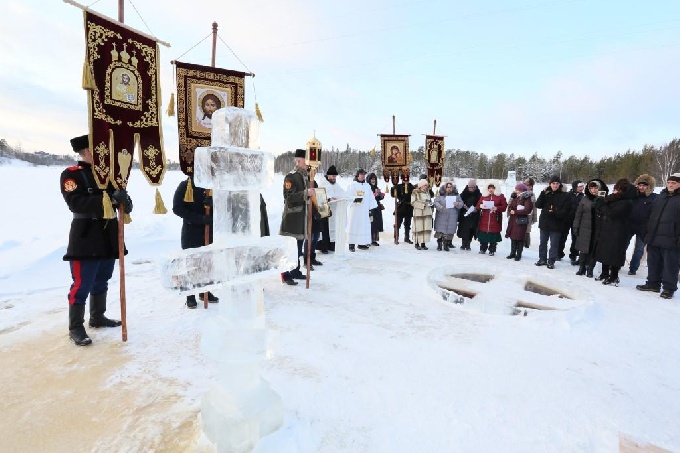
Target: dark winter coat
[(91, 237), (470, 198), (194, 218), (584, 221), (555, 209), (403, 195), (293, 218), (492, 222), (642, 205), (376, 213), (574, 199), (514, 231), (264, 218), (612, 240), (663, 227), (446, 219)]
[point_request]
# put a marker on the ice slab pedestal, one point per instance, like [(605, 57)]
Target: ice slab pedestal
[(241, 407)]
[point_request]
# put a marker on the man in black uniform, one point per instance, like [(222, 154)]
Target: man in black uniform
[(93, 242), (402, 192), (191, 207), (296, 193)]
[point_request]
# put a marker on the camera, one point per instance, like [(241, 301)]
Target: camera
[(601, 193)]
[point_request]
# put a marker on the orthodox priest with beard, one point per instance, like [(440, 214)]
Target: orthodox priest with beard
[(296, 193), (328, 224), (359, 222)]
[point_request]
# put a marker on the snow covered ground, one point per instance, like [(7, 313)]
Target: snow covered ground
[(369, 359)]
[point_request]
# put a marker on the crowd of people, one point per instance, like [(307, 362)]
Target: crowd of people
[(600, 224)]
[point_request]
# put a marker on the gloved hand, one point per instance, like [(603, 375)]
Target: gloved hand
[(128, 205), (207, 219), (120, 196)]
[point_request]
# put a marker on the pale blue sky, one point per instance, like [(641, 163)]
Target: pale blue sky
[(521, 76)]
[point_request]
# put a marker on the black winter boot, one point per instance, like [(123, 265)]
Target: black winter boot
[(581, 268), (422, 246), (213, 299), (513, 250), (76, 330), (447, 244), (589, 271), (97, 309), (519, 249), (191, 302), (439, 245), (407, 234)]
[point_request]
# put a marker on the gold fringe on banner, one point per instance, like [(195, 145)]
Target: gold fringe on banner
[(258, 113), (127, 219), (88, 78), (160, 206), (171, 105), (108, 207), (189, 194)]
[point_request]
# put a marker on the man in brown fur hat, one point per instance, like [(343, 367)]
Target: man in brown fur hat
[(642, 205)]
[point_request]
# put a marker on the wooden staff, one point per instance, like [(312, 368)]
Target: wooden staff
[(208, 192), (396, 219), (312, 172), (121, 267)]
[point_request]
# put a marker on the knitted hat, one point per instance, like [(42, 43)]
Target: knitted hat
[(555, 178), (521, 187), (80, 143), (422, 183), (332, 171)]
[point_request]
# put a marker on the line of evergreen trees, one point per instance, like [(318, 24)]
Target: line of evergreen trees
[(657, 161)]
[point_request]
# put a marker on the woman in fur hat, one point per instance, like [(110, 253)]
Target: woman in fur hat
[(613, 239), (446, 219), (520, 207), (422, 214)]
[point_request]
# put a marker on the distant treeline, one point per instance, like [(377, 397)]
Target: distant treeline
[(658, 161)]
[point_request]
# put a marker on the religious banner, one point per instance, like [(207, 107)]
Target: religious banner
[(395, 156), (200, 91), (122, 75), (434, 158)]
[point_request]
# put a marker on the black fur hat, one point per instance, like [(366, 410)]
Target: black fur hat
[(300, 153), (80, 143), (332, 171)]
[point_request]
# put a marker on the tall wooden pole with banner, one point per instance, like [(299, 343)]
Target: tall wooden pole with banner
[(313, 159), (121, 75), (396, 161), (434, 157)]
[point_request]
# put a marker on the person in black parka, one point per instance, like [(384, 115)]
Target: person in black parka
[(555, 206), (192, 210), (467, 226), (612, 239), (585, 226)]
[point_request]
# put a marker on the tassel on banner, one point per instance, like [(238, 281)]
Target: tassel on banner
[(88, 78), (258, 113), (127, 219), (171, 107), (108, 207), (159, 208), (189, 194)]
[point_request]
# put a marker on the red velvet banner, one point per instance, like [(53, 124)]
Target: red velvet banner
[(434, 158), (124, 102), (200, 91), (395, 156)]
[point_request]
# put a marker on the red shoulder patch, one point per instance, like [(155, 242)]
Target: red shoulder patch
[(287, 184), (74, 168), (70, 185)]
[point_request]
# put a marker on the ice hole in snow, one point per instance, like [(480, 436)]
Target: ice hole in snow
[(544, 290), (481, 278)]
